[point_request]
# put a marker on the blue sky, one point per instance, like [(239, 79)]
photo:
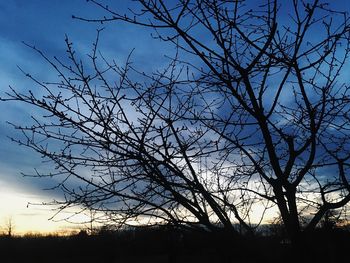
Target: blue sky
[(44, 23)]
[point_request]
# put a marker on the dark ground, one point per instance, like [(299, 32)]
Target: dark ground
[(170, 246)]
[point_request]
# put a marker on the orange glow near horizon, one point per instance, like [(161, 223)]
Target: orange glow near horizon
[(28, 219), (35, 218)]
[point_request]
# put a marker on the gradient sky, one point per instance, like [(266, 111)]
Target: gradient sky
[(44, 23)]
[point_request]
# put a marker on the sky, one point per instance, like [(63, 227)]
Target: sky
[(44, 24)]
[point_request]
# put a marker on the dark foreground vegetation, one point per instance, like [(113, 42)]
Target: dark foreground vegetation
[(172, 245)]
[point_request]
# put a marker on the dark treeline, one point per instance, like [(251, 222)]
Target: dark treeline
[(164, 244)]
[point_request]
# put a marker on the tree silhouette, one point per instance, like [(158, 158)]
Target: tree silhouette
[(9, 226), (252, 110)]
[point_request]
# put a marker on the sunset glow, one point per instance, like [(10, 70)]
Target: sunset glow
[(29, 27)]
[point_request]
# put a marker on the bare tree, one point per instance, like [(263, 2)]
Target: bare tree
[(9, 226), (252, 111)]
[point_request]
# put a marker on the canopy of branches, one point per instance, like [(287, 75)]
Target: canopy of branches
[(251, 114)]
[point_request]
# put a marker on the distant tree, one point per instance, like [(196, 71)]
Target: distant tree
[(331, 220), (276, 228), (9, 226), (252, 110)]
